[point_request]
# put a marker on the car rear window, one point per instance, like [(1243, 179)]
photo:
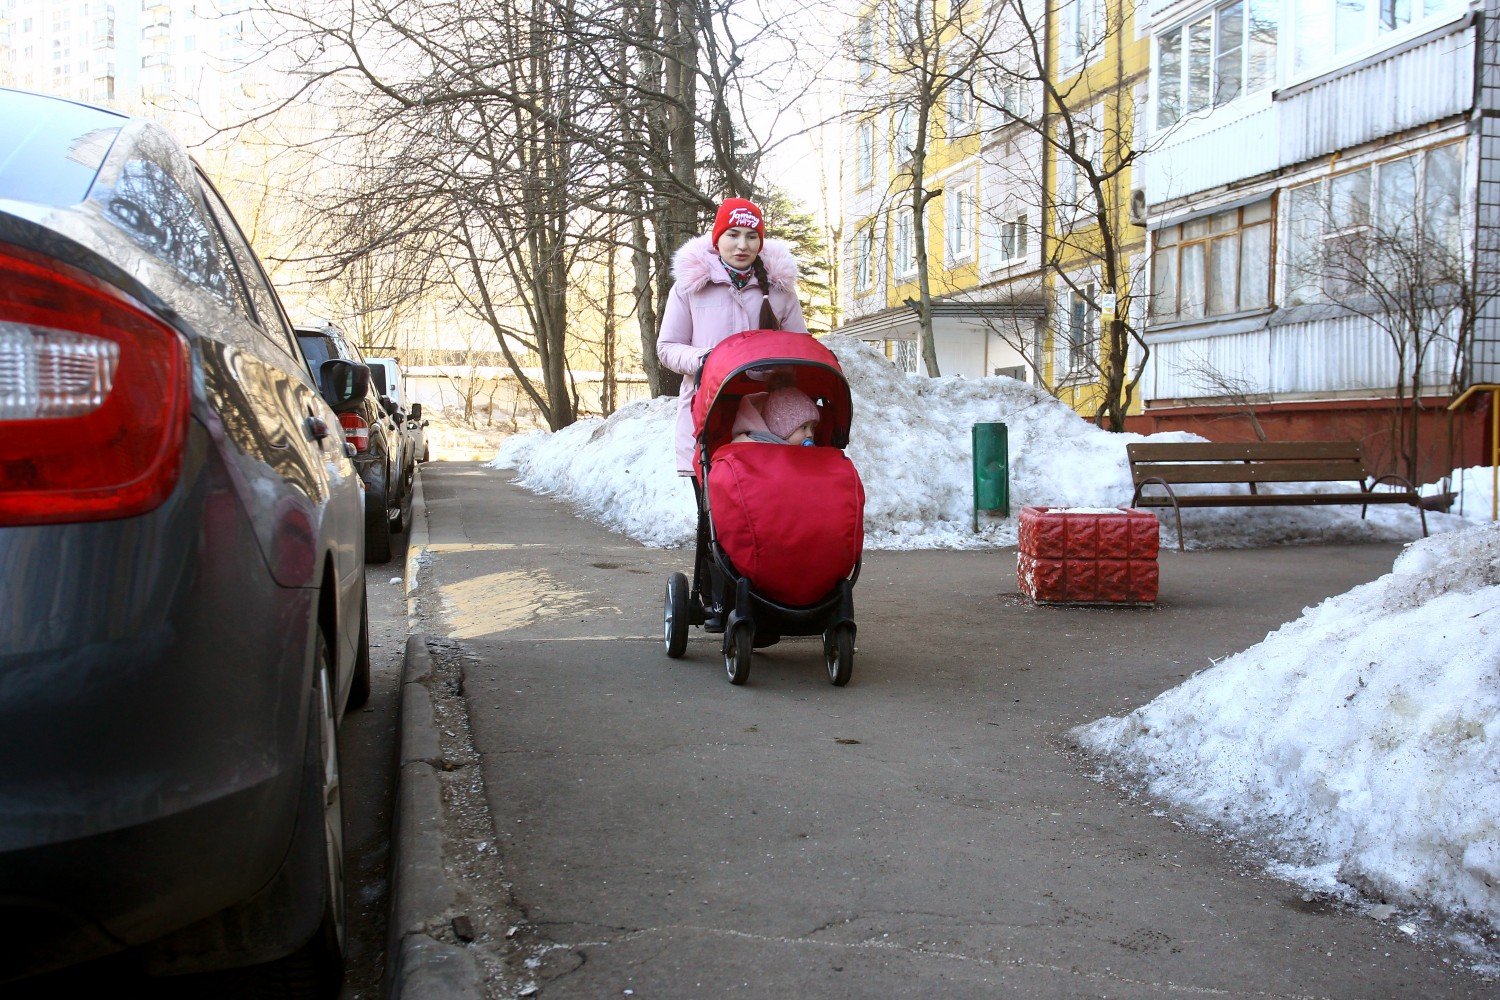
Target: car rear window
[(317, 348), (51, 150), (377, 376)]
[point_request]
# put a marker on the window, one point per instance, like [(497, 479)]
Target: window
[(865, 144), (1072, 342), (864, 259), (904, 243), (864, 45), (963, 108), (1228, 52), (903, 353), (1376, 227), (958, 222), (904, 134), (1213, 266), (1005, 240), (1015, 99), (267, 308), (1082, 31), (1334, 28), (1013, 239), (1075, 200)]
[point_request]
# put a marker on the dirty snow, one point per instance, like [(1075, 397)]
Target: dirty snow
[(1359, 745)]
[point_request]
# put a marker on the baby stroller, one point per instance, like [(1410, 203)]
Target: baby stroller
[(780, 528)]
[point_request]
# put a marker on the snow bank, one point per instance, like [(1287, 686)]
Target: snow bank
[(911, 443), (1361, 741)]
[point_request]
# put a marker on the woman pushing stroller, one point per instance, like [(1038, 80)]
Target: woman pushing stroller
[(780, 529)]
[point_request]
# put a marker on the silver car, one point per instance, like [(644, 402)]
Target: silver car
[(182, 589)]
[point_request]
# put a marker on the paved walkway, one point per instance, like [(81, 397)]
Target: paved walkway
[(643, 828)]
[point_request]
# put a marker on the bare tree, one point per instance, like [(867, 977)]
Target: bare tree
[(1387, 244), (479, 145), (916, 61), (1085, 124)]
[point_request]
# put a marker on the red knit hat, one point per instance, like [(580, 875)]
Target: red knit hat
[(739, 212)]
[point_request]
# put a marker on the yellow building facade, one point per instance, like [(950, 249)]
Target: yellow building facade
[(1095, 277)]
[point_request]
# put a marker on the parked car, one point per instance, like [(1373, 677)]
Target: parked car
[(182, 582), (391, 383), (382, 450)]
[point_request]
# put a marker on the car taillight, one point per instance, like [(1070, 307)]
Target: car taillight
[(93, 397), (356, 430)]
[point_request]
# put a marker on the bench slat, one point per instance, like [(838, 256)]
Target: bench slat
[(1251, 472), (1213, 451), (1274, 499)]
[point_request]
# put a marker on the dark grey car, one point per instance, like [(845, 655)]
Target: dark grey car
[(182, 592)]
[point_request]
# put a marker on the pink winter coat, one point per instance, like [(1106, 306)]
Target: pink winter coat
[(704, 307)]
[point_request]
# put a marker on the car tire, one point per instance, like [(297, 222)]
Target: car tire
[(315, 971), (377, 526), (359, 685)]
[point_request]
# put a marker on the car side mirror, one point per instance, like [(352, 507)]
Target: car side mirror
[(343, 384), (416, 411)]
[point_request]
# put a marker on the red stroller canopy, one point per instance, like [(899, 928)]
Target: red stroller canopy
[(757, 360)]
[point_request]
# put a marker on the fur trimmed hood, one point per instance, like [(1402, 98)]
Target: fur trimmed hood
[(697, 263)]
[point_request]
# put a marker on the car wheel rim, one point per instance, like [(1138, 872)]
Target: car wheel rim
[(333, 807)]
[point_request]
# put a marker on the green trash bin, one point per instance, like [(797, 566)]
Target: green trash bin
[(991, 470)]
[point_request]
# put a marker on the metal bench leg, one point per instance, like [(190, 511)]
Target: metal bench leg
[(1177, 510)]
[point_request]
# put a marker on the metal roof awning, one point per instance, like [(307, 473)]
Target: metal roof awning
[(898, 324)]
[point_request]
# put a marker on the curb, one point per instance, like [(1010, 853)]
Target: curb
[(419, 965)]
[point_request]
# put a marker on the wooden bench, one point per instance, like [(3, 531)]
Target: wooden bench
[(1254, 464)]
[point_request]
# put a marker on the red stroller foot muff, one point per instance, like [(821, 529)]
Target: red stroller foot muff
[(780, 526)]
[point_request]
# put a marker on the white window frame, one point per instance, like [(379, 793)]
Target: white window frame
[(1081, 27), (1072, 186), (903, 134), (958, 222), (961, 106), (1221, 50), (1070, 341), (1300, 289), (903, 243), (1334, 35), (864, 259), (864, 141), (864, 46)]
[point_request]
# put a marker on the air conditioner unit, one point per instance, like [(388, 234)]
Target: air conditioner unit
[(1138, 206)]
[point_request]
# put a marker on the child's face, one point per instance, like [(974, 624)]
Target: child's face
[(803, 432)]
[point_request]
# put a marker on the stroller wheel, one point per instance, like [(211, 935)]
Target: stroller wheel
[(838, 654), (737, 650), (675, 616)]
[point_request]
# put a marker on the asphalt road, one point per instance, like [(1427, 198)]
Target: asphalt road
[(929, 830)]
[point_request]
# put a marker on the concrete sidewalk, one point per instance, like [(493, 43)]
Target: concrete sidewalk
[(580, 816)]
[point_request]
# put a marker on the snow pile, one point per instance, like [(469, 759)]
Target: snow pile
[(1360, 742), (911, 441)]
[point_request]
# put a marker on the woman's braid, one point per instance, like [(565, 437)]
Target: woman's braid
[(768, 320)]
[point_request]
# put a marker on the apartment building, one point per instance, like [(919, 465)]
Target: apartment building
[(937, 121), (159, 56), (1310, 163), (1013, 125)]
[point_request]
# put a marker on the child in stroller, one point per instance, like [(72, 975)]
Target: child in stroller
[(780, 530)]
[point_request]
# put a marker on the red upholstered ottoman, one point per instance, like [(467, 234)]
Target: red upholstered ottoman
[(1088, 555)]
